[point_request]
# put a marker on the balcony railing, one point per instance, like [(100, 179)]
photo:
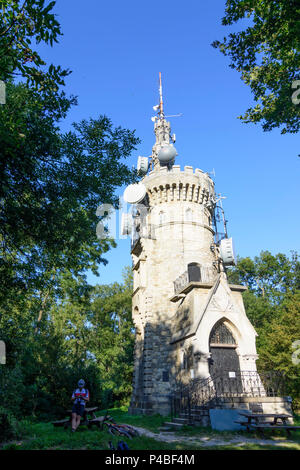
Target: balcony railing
[(194, 273)]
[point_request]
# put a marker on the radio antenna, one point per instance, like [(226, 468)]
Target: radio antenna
[(159, 108), (161, 104)]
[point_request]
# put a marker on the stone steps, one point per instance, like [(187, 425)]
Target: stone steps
[(180, 420), (173, 425), (193, 419), (199, 416)]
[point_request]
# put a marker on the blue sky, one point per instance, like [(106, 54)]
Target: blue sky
[(116, 49)]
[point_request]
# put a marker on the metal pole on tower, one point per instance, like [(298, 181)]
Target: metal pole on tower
[(161, 108)]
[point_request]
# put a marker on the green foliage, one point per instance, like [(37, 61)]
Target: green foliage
[(51, 187), (272, 304), (276, 344), (259, 310), (12, 389), (86, 332), (8, 425), (268, 275), (267, 55), (23, 23), (99, 332)]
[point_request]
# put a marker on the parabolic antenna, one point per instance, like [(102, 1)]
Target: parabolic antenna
[(227, 252), (134, 193), (126, 224), (142, 165), (167, 154)]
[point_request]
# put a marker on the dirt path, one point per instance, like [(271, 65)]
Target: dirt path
[(208, 441)]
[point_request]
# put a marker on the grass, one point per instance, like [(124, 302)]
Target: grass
[(43, 436), (152, 423)]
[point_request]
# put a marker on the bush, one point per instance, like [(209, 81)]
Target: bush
[(8, 425)]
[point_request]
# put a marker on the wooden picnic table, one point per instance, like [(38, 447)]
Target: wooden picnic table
[(89, 417), (258, 417), (263, 421)]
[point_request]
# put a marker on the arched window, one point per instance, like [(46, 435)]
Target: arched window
[(221, 335)]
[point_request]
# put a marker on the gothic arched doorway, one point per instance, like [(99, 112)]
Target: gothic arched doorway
[(224, 366)]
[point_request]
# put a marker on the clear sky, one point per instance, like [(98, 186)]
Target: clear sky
[(116, 49)]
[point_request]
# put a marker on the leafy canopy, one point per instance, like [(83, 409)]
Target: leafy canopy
[(267, 55), (272, 304), (52, 184), (86, 331), (23, 25)]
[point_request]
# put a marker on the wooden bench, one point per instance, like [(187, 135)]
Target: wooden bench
[(268, 425), (85, 419), (287, 427)]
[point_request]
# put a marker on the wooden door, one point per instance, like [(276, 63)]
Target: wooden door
[(224, 362)]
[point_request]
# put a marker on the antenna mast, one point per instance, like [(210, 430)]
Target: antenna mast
[(161, 104), (163, 151)]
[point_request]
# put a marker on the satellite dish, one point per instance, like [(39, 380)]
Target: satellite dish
[(134, 193), (126, 224), (142, 165), (227, 252), (167, 154)]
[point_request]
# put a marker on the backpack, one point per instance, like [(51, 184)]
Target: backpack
[(121, 446)]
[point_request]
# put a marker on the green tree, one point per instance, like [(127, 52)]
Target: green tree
[(52, 184), (267, 55), (23, 23), (276, 352), (86, 332), (112, 338), (272, 304), (268, 275)]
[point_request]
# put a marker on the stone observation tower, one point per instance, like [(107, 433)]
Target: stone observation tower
[(190, 322)]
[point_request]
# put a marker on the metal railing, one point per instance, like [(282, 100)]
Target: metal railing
[(204, 393), (194, 273)]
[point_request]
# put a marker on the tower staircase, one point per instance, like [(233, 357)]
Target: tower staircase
[(198, 416)]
